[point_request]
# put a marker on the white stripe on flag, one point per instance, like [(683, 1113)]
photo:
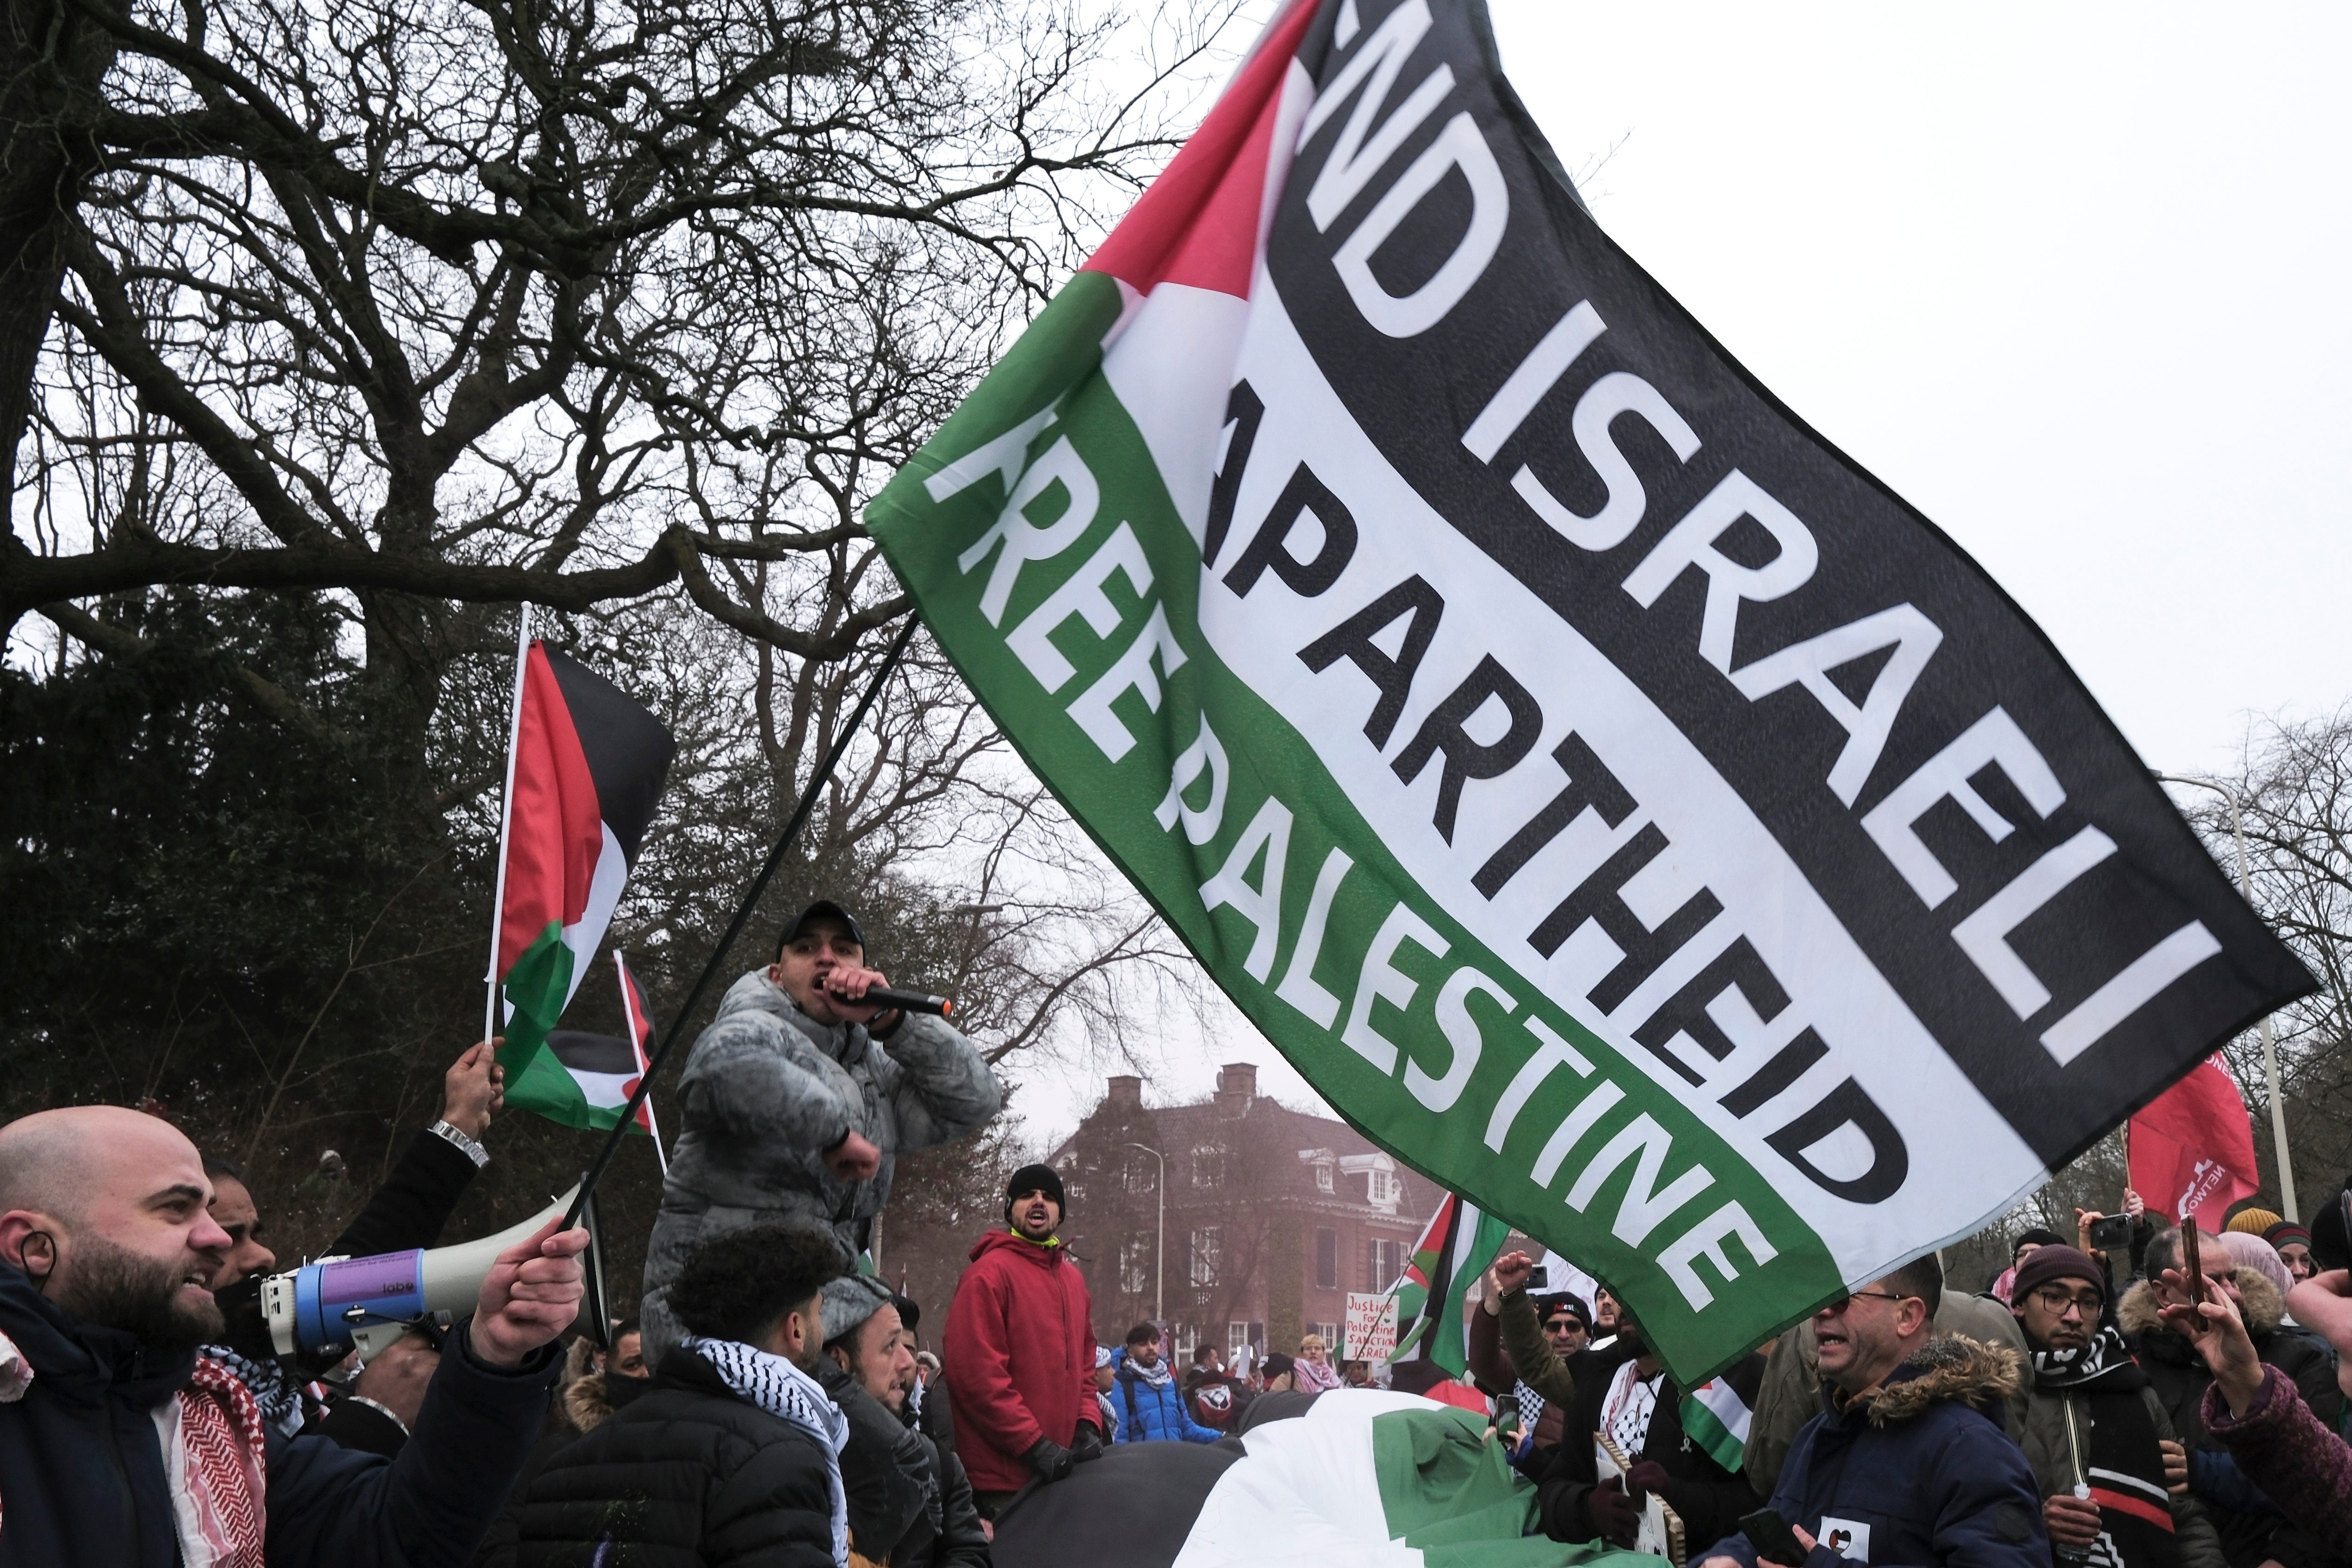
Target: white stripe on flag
[(1717, 1394)]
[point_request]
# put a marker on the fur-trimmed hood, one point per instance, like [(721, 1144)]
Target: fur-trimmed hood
[(1954, 1369), (2259, 1302), (588, 1402)]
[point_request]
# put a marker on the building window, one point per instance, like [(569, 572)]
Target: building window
[(1322, 1178), (1135, 1264), (1142, 1173), (1387, 1263), (1329, 1334), (1380, 1187), (1208, 1165), (1327, 1258), (1208, 1246)]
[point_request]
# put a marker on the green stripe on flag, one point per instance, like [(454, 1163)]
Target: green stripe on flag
[(1448, 1492), (536, 989)]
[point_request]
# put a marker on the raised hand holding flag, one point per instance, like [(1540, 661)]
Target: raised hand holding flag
[(584, 768)]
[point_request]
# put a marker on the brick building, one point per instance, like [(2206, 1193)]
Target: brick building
[(1272, 1215)]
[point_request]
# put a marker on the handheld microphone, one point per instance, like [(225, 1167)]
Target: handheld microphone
[(906, 1001)]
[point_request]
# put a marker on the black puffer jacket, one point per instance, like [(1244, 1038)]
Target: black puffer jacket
[(690, 1475), (2252, 1530)]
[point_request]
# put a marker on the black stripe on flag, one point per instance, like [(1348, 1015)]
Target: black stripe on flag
[(583, 1052), (627, 750)]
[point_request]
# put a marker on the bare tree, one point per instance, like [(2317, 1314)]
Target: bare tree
[(467, 302), (2294, 787)]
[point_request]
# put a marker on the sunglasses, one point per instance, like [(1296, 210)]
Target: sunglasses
[(1839, 1306), (1562, 1325)]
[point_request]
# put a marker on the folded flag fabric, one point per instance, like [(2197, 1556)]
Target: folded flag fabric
[(1361, 1480), (586, 768)]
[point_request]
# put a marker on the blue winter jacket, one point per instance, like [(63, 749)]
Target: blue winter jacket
[(1921, 1476), (82, 1481), (1152, 1412)]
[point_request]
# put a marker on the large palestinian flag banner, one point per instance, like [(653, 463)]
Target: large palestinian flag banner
[(586, 767), (1616, 802)]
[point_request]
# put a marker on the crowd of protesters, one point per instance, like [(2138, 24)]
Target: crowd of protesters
[(2112, 1407)]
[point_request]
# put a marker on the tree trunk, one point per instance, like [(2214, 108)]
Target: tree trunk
[(52, 59)]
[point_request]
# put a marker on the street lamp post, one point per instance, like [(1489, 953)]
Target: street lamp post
[(2270, 1045), (1160, 1245)]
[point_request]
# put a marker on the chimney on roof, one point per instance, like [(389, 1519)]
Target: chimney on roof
[(1236, 1086), (1126, 1088)]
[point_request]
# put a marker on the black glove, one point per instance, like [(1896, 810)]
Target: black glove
[(1647, 1476), (1048, 1459), (1613, 1514), (1087, 1445)]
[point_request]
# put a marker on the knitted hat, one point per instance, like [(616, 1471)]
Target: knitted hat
[(1102, 1353), (849, 1301), (1035, 1178), (1547, 1307), (2044, 1264), (2253, 1221), (2284, 1231)]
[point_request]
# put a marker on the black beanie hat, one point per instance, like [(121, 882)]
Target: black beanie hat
[(2331, 1237), (1036, 1178)]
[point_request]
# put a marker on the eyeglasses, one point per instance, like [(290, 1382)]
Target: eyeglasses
[(1842, 1303), (1562, 1325), (2056, 1301)]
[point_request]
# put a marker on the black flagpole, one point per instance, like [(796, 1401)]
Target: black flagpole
[(735, 928)]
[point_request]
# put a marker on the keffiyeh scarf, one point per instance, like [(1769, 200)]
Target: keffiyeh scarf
[(215, 1454), (794, 1398), (1316, 1376)]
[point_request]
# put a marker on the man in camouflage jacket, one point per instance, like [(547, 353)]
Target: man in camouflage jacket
[(797, 1100)]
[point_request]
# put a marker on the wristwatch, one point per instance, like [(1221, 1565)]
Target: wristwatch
[(473, 1150)]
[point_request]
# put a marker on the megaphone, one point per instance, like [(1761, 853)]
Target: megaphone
[(322, 1310)]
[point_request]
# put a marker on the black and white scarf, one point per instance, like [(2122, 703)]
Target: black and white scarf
[(1155, 1375), (2056, 1369), (2119, 1460), (794, 1398), (276, 1390)]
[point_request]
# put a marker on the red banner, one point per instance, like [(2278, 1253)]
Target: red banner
[(2192, 1147)]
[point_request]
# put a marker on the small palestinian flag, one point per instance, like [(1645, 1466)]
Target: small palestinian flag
[(1716, 1413), (639, 1015), (581, 1079), (586, 768), (1457, 1246)]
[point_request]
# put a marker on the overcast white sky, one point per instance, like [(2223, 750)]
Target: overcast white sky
[(2073, 279)]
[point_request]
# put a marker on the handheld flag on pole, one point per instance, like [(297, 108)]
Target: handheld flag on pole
[(639, 1016), (1617, 803), (584, 768), (1458, 1244)]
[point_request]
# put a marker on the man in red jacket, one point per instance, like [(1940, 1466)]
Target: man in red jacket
[(1020, 1350)]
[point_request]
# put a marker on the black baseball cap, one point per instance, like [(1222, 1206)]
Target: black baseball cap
[(823, 910)]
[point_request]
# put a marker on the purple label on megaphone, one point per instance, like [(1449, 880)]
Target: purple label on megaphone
[(367, 1279)]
